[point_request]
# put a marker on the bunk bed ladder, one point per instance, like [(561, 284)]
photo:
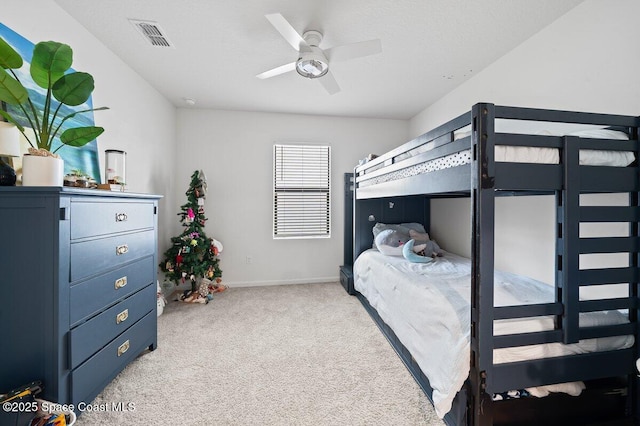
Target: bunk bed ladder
[(482, 263), (569, 277)]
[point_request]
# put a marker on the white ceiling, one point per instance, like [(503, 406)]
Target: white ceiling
[(428, 48)]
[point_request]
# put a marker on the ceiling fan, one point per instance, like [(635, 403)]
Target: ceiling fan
[(313, 62)]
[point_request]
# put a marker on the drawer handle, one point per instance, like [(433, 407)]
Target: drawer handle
[(121, 282), (121, 217), (122, 249), (122, 316), (123, 347)]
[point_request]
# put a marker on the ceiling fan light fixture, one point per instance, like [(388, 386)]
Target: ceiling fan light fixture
[(312, 65)]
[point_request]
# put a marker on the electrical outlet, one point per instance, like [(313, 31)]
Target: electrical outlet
[(248, 260)]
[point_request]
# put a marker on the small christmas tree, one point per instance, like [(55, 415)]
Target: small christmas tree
[(192, 255)]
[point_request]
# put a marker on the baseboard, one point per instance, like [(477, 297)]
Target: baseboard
[(282, 282)]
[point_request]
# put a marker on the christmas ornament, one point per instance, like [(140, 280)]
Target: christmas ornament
[(203, 180)]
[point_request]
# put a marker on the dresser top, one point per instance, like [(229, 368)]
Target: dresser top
[(64, 190)]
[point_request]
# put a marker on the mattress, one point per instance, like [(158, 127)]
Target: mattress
[(512, 154), (428, 307)]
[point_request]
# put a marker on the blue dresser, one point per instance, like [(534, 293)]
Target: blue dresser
[(77, 287)]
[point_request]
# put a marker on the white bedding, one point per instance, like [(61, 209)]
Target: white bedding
[(427, 306), (588, 157), (511, 154)]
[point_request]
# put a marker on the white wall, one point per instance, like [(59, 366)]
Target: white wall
[(233, 148), (235, 151), (588, 60), (140, 121)]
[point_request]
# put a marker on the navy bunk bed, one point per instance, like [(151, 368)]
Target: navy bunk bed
[(393, 188)]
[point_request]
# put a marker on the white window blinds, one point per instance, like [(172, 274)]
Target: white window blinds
[(301, 191)]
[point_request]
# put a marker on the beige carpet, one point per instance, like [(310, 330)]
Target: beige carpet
[(280, 355)]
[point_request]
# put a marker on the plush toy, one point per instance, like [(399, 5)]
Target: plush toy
[(411, 256), (419, 236), (431, 247), (429, 252), (161, 302), (389, 242)]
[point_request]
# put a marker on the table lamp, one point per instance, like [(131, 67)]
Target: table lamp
[(9, 147)]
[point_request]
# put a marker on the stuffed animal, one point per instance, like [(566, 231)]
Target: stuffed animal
[(411, 256), (390, 242), (430, 251), (431, 247), (161, 302)]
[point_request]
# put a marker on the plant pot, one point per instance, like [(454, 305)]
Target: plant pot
[(42, 171)]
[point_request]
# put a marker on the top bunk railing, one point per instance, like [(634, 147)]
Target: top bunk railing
[(413, 167)]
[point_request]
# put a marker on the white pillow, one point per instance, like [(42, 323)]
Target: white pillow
[(601, 134), (604, 158)]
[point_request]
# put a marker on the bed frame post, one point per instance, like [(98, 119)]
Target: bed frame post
[(568, 285), (482, 262), (634, 314), (634, 289)]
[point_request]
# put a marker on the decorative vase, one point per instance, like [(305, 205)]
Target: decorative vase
[(42, 171)]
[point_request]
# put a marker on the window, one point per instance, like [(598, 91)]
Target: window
[(301, 191)]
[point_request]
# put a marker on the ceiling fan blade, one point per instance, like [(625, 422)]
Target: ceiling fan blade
[(287, 31), (329, 83), (277, 71), (353, 50)]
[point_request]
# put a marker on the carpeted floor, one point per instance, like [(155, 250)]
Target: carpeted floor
[(280, 355)]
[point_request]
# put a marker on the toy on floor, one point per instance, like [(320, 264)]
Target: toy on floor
[(161, 302), (204, 293)]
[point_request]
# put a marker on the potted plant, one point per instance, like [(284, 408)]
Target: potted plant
[(46, 113)]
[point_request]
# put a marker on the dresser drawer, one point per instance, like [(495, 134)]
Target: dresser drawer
[(91, 296), (94, 218), (95, 256), (92, 376), (92, 335)]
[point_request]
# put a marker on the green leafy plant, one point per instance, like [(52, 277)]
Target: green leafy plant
[(78, 173), (49, 68)]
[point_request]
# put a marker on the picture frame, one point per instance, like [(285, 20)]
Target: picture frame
[(84, 158)]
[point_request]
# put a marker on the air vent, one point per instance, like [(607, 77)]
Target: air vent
[(152, 33)]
